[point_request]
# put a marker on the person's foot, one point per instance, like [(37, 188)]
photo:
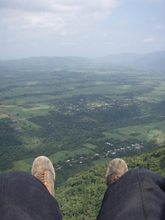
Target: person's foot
[(116, 168), (43, 170)]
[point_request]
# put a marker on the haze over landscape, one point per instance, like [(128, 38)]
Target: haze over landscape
[(93, 28)]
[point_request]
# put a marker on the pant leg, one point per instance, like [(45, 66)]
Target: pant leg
[(137, 195), (24, 197)]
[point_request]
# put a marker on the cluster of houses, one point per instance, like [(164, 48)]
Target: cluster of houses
[(92, 104), (133, 146), (81, 159)]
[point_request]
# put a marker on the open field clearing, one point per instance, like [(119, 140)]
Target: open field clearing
[(147, 132), (21, 165), (90, 146), (63, 155), (16, 112), (157, 94)]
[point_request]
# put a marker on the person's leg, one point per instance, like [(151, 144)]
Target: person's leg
[(23, 196), (138, 194)]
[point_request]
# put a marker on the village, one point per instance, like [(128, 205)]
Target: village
[(91, 103), (79, 159)]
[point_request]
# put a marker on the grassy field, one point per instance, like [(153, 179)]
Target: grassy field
[(146, 132), (157, 94), (63, 155), (90, 146), (21, 165)]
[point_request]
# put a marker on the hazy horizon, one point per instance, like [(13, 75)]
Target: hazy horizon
[(6, 59), (79, 28)]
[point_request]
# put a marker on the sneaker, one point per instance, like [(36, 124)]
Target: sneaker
[(43, 170), (117, 167)]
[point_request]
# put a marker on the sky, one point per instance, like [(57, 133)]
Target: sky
[(84, 28)]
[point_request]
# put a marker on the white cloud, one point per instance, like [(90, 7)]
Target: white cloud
[(159, 26), (59, 5), (52, 13), (19, 19), (37, 6), (150, 39)]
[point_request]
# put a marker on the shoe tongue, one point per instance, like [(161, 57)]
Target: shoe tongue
[(46, 166), (120, 168), (113, 170)]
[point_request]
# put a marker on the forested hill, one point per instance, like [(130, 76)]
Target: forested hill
[(81, 196)]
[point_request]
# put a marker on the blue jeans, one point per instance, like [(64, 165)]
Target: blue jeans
[(137, 195)]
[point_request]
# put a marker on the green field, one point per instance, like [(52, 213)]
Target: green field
[(69, 112), (63, 155), (90, 146), (146, 132)]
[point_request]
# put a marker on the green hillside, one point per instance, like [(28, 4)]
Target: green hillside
[(80, 197)]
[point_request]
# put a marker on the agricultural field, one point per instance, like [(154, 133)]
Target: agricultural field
[(146, 132), (87, 114)]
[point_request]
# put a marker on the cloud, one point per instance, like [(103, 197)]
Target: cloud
[(37, 6), (147, 40), (59, 5), (53, 14), (159, 26), (19, 19), (123, 22)]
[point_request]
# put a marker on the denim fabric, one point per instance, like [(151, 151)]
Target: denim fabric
[(24, 197), (137, 195)]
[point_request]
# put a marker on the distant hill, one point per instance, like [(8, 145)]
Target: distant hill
[(80, 197), (123, 58), (35, 62), (154, 60), (158, 64)]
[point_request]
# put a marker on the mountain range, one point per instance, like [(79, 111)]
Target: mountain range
[(154, 60), (151, 60)]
